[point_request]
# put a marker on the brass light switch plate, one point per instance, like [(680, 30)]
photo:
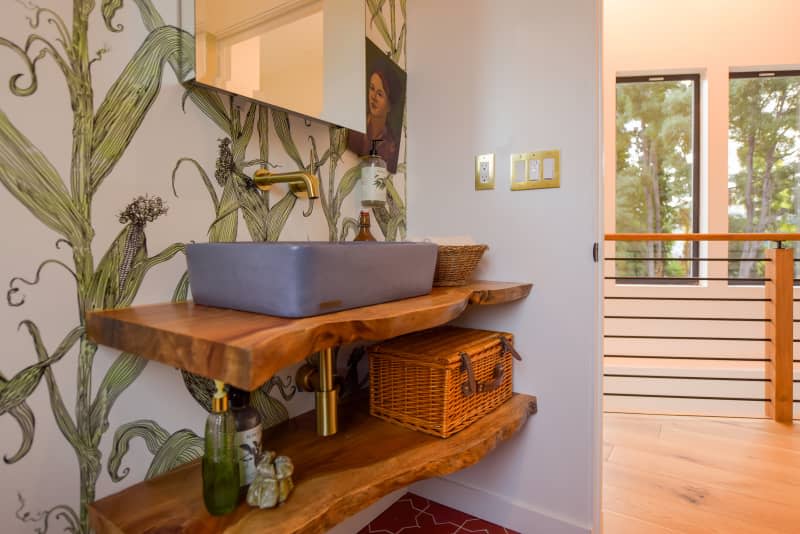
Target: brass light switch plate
[(484, 172), (535, 170)]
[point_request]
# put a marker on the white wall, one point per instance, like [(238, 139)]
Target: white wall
[(504, 77)]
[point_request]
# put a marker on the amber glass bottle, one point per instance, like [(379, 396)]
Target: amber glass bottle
[(363, 228)]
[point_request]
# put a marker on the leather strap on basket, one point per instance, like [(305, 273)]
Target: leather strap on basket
[(509, 348), (471, 386)]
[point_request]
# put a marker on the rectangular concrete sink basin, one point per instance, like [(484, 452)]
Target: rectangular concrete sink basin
[(302, 279)]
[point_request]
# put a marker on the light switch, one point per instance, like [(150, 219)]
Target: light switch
[(519, 170), (535, 170), (484, 172), (549, 168)]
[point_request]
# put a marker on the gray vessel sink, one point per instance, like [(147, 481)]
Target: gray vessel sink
[(302, 279)]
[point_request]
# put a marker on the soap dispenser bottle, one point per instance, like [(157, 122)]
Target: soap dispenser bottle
[(373, 174), (248, 436), (220, 461)]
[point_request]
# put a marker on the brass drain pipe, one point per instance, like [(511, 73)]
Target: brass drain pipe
[(321, 381)]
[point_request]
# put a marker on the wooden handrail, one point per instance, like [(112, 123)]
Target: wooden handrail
[(779, 327), (704, 237)]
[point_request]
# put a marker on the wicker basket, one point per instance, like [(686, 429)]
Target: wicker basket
[(442, 380), (456, 263)]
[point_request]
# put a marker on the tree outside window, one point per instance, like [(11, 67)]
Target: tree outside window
[(763, 151), (657, 177)]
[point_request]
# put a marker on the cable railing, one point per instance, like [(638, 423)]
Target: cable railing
[(680, 334)]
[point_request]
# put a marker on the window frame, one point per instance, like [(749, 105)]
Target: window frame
[(756, 75), (695, 78)]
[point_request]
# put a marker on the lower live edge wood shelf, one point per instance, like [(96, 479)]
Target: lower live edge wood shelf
[(247, 349), (335, 477)]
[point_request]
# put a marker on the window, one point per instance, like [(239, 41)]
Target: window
[(763, 150), (658, 173)]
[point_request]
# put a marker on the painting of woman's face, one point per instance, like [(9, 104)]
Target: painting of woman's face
[(385, 88), (378, 99)]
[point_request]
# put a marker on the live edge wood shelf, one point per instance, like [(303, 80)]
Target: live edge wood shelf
[(247, 349), (335, 476)]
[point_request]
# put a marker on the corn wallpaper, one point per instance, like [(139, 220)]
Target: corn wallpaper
[(108, 166)]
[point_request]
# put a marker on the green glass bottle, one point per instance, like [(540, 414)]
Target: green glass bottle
[(220, 461)]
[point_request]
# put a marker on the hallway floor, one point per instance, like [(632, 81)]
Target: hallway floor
[(673, 474)]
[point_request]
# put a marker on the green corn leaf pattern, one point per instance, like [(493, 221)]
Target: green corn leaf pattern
[(224, 227), (271, 410), (210, 104), (183, 61), (278, 215), (22, 384), (182, 289), (23, 414), (375, 9), (263, 134), (125, 369), (203, 175), (280, 120), (150, 16), (169, 451), (14, 392), (401, 44), (63, 419), (242, 132), (31, 179), (348, 224), (152, 433), (254, 205), (128, 100), (346, 185), (200, 388), (181, 447), (393, 22), (109, 8)]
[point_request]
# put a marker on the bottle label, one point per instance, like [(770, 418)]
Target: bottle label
[(248, 445), (373, 188)]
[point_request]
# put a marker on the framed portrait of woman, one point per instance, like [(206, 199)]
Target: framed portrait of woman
[(386, 100)]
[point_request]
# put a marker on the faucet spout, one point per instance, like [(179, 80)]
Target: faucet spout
[(301, 184)]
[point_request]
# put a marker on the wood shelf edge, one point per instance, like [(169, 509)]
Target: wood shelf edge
[(335, 477), (246, 349)]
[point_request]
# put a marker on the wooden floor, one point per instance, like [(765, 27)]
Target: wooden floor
[(672, 474)]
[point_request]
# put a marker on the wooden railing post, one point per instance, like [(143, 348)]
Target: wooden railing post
[(779, 288)]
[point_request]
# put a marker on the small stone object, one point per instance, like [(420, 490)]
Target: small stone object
[(273, 482)]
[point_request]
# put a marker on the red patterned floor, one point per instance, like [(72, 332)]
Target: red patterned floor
[(413, 514)]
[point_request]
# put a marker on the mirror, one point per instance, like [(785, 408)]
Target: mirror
[(305, 56)]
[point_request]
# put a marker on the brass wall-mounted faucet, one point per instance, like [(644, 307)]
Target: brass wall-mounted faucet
[(300, 183)]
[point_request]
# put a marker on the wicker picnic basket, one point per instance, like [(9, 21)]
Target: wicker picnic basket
[(442, 380), (456, 263)]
